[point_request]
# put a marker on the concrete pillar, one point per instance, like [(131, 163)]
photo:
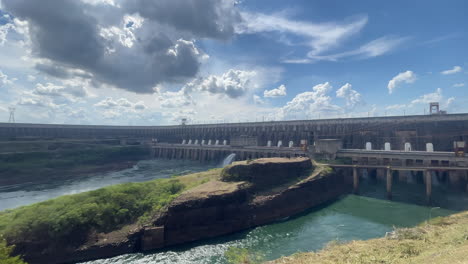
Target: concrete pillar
[(280, 143), (429, 147), (225, 142), (389, 184), (428, 176), (203, 142), (368, 146), (196, 142), (269, 143), (190, 142), (387, 146), (217, 142), (355, 180), (291, 144), (380, 174), (209, 141), (407, 146), (183, 141)]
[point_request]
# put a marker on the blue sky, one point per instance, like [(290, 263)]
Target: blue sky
[(116, 62)]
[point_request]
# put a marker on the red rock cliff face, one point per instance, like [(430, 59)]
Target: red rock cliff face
[(242, 208)]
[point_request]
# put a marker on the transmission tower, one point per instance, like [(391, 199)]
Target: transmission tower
[(12, 115)]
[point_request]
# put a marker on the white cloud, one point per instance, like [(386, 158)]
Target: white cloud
[(454, 70), (424, 100), (351, 96), (404, 77), (310, 103), (257, 99), (374, 48), (459, 85), (119, 105), (233, 83), (428, 98), (4, 32), (319, 36), (125, 34), (177, 99), (31, 78), (4, 80), (277, 92)]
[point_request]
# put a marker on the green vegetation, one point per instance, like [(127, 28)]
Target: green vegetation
[(441, 240), (235, 255), (103, 210), (5, 254)]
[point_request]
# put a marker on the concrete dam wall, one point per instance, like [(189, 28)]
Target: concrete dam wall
[(440, 130)]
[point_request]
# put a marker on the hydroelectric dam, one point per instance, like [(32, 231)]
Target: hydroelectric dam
[(431, 145)]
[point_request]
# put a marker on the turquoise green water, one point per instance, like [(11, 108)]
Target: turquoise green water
[(351, 218)]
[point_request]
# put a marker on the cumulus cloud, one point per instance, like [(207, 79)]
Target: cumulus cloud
[(310, 103), (134, 45), (404, 77), (4, 29), (233, 83), (178, 99), (459, 85), (277, 92), (351, 96), (50, 89), (455, 69), (425, 99), (121, 104)]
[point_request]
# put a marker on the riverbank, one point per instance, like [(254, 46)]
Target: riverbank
[(37, 167), (439, 240), (210, 207)]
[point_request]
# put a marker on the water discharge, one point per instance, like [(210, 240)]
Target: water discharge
[(228, 160)]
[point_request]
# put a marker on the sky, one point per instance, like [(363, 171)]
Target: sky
[(144, 62)]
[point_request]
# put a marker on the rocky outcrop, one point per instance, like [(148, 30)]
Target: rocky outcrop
[(267, 172), (225, 213), (216, 208)]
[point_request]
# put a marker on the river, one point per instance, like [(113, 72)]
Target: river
[(350, 218)]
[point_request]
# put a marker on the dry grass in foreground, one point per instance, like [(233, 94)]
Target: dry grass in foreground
[(442, 240)]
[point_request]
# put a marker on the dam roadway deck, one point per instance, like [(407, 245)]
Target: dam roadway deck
[(218, 152)]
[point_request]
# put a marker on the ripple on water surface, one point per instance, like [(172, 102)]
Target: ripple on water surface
[(353, 217), (23, 194)]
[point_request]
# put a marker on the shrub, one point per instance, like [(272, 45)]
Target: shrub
[(5, 254)]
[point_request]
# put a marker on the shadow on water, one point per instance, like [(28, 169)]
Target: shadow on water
[(410, 188)]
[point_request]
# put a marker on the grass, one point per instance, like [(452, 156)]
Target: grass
[(5, 254), (441, 240), (102, 210)]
